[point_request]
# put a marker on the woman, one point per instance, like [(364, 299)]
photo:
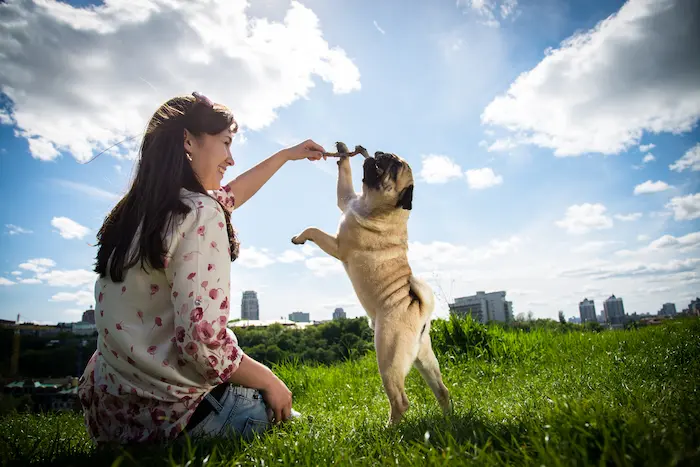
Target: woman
[(166, 362)]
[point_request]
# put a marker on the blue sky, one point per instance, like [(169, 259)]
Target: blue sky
[(555, 144)]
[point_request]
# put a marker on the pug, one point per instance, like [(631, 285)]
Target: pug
[(372, 244)]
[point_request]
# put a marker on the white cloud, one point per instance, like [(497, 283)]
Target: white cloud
[(439, 169), (16, 230), (479, 179), (642, 238), (633, 216), (38, 265), (80, 298), (634, 269), (651, 187), (648, 158), (5, 281), (646, 147), (685, 208), (68, 278), (324, 266), (130, 52), (617, 96), (89, 190), (583, 218), (690, 160), (376, 26), (254, 258), (30, 281), (290, 256), (491, 10), (502, 145), (441, 255), (16, 273), (667, 242), (68, 228)]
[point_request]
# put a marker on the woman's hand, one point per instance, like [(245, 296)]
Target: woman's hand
[(306, 150), (278, 399)]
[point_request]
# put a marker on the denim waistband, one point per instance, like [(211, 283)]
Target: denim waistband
[(250, 393)]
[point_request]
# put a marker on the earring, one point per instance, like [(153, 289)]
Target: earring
[(189, 157)]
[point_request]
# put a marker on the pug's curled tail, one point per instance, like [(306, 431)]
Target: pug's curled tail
[(424, 294)]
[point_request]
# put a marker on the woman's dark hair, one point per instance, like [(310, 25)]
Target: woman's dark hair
[(154, 197)]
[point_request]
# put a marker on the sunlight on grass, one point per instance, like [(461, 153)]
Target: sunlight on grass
[(543, 397)]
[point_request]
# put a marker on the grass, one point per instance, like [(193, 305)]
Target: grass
[(543, 397)]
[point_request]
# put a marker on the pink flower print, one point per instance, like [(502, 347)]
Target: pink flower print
[(166, 261), (212, 374), (191, 348), (192, 390), (221, 225), (133, 391), (102, 313), (210, 267), (152, 350), (213, 361), (200, 230), (106, 332), (189, 256), (139, 313), (165, 362), (205, 331), (224, 304), (154, 289), (123, 289), (191, 294), (116, 355), (180, 334), (111, 378), (130, 360), (119, 326), (175, 294), (221, 335), (223, 319), (191, 275), (132, 349), (205, 284), (196, 314), (214, 246), (99, 297), (158, 416), (169, 388)]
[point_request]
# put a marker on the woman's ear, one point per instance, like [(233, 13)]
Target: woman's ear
[(188, 141)]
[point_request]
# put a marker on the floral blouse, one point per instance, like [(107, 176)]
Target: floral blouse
[(163, 340)]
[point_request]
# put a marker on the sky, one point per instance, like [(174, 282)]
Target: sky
[(555, 144)]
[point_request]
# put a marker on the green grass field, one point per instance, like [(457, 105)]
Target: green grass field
[(544, 397)]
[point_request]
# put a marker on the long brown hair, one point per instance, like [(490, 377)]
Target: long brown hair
[(153, 200)]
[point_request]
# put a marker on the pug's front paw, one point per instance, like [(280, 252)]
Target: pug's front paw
[(298, 240)]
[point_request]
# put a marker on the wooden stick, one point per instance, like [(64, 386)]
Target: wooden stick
[(358, 150)]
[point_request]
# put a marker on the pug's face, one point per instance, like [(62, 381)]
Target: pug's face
[(388, 181)]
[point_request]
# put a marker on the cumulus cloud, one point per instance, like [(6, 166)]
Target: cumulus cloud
[(324, 266), (68, 228), (634, 269), (648, 158), (616, 95), (583, 218), (685, 208), (666, 242), (38, 265), (690, 160), (439, 169), (595, 246), (446, 255), (67, 278), (651, 187), (81, 298), (255, 258), (62, 66), (646, 147), (479, 179), (291, 256), (6, 281)]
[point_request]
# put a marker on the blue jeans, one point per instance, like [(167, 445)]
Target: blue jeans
[(239, 412)]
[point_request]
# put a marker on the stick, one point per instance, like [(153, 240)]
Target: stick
[(358, 150)]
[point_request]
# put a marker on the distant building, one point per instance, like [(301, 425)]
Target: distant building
[(299, 317), (250, 309), (484, 307), (586, 310), (339, 313), (88, 316), (614, 310), (83, 329), (668, 309), (574, 320)]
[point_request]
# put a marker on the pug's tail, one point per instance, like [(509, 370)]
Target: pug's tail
[(424, 294)]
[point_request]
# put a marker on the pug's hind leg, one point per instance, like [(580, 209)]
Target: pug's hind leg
[(327, 243)]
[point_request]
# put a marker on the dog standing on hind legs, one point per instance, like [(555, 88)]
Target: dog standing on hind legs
[(372, 244)]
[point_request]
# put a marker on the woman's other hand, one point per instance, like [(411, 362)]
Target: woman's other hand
[(278, 399), (306, 150)]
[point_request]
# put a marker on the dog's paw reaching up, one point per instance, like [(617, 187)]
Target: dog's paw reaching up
[(298, 240)]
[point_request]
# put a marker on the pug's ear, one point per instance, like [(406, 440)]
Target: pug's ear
[(406, 198)]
